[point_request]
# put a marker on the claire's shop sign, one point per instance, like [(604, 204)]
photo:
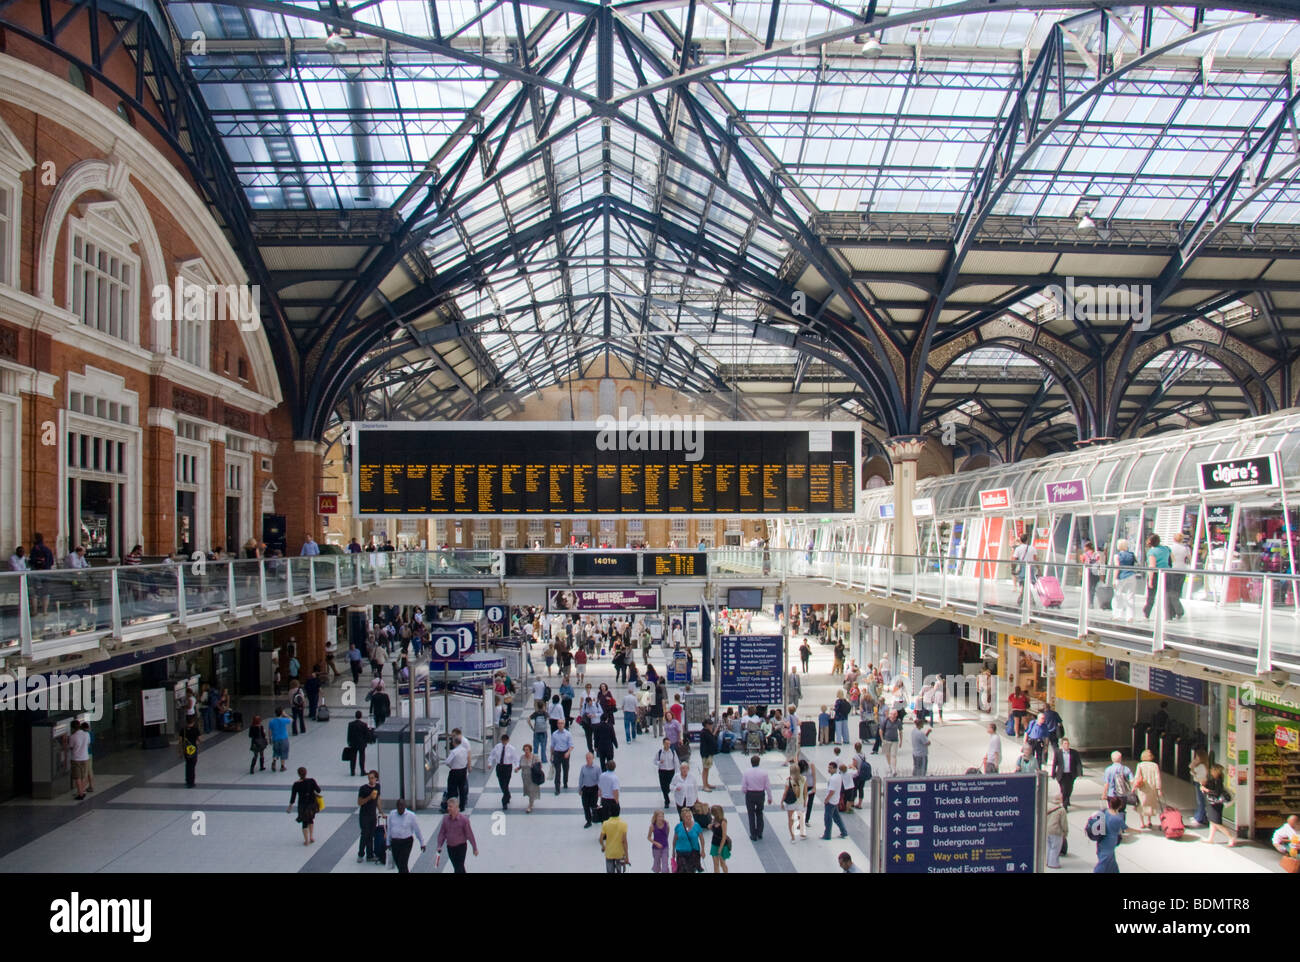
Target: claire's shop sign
[(995, 499), (1072, 491), (1259, 472)]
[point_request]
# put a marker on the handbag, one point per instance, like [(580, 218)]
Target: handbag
[(259, 744), (538, 773), (320, 802), (349, 753), (791, 796)]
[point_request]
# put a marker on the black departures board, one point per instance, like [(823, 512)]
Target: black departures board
[(521, 469)]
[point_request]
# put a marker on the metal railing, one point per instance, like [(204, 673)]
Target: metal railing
[(1236, 620), (1243, 621)]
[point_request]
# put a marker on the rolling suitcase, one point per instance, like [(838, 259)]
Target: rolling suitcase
[(1049, 591), (322, 712), (381, 843), (807, 734), (1104, 596), (1171, 823)]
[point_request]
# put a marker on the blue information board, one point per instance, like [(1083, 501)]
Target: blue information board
[(753, 668), (977, 824)]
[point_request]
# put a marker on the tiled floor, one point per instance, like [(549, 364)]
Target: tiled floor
[(142, 819)]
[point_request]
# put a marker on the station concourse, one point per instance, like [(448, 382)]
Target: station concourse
[(414, 341)]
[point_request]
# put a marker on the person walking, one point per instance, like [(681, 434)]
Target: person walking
[(1179, 560), (532, 787), (1091, 559), (757, 788), (456, 833), (831, 811), (1058, 826), (609, 788), (1066, 765), (561, 750), (993, 754), (257, 743), (805, 653), (189, 749), (666, 763), (891, 731), (504, 760), (1158, 557), (403, 830), (355, 659), (708, 748), (630, 704), (613, 842), (368, 811), (842, 709), (1200, 773), (541, 727), (589, 790), (1036, 737), (298, 705), (380, 704), (1111, 825), (279, 728), (794, 799), (673, 732), (1118, 781), (1124, 599), (688, 843), (920, 747), (1150, 791), (1216, 797), (305, 794), (311, 687), (684, 788), (358, 737), (458, 760), (794, 689), (606, 740), (658, 839), (720, 846), (940, 695), (790, 733)]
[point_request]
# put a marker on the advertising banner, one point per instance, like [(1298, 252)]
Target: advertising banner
[(1072, 491), (1239, 473), (601, 600), (995, 499)]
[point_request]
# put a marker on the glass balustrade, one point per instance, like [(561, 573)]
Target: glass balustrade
[(1247, 621)]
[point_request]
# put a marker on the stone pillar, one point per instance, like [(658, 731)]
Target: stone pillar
[(904, 451)]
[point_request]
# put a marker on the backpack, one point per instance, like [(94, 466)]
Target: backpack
[(299, 699), (1095, 829), (546, 694), (541, 724)]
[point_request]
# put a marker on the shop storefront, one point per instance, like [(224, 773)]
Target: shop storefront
[(1025, 669), (1275, 756)]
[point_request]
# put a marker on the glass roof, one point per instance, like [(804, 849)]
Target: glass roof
[(562, 226)]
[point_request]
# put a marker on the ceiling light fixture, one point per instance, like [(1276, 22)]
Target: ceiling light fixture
[(872, 48), (335, 43), (1087, 223)]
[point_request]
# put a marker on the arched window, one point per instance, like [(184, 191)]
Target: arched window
[(104, 273), (586, 405)]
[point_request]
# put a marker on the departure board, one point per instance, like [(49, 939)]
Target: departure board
[(644, 467), (676, 564)]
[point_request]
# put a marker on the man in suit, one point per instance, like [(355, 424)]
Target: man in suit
[(358, 739), (1066, 767)]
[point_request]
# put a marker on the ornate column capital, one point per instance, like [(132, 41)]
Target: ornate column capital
[(905, 447)]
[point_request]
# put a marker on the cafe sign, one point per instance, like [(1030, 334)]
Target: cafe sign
[(1239, 474), (1073, 491), (995, 499)]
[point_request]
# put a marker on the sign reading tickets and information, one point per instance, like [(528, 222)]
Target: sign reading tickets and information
[(752, 669), (601, 600), (963, 825)]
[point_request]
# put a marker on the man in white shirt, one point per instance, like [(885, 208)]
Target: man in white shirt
[(756, 785), (630, 703), (993, 757), (77, 558), (1179, 556), (1287, 834), (79, 747), (310, 547), (561, 750), (402, 827), (457, 771), (831, 811), (504, 760), (608, 785), (685, 788), (539, 694)]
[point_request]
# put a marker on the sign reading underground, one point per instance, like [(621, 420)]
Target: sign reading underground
[(961, 825)]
